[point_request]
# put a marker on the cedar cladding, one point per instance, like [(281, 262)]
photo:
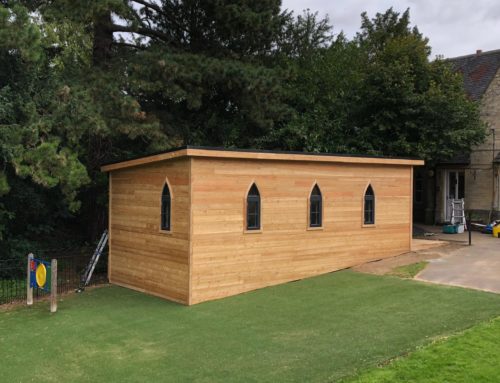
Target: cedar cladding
[(209, 254)]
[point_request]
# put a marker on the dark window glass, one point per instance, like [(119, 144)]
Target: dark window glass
[(461, 185), (165, 208), (253, 208), (369, 206), (452, 183), (315, 208)]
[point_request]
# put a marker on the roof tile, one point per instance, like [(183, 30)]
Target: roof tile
[(478, 70)]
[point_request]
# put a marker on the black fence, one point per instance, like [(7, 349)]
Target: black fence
[(69, 272)]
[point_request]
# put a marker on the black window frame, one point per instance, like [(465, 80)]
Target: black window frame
[(166, 209), (253, 209), (369, 201), (316, 207)]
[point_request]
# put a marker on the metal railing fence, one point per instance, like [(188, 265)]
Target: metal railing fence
[(70, 269)]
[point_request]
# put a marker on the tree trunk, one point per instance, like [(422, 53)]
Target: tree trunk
[(95, 214), (103, 39)]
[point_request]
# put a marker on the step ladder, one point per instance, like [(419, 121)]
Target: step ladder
[(458, 212), (89, 270)]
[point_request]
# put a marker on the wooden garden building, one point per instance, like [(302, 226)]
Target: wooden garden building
[(195, 223)]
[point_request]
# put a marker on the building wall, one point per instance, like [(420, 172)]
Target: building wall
[(481, 178), (482, 185), (143, 257), (228, 261)]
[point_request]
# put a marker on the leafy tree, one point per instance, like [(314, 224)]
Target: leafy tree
[(378, 94), (31, 148), (409, 104), (304, 36), (323, 92)]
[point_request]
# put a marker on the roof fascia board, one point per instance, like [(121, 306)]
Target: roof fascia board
[(248, 155)]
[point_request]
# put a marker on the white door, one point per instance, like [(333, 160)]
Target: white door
[(455, 189)]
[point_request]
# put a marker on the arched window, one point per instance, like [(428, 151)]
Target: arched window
[(315, 208), (253, 208), (369, 207), (166, 208)]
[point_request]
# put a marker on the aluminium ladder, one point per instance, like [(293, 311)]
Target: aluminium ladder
[(89, 270), (458, 212)]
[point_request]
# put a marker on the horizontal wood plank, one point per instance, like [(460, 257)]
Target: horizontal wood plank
[(142, 256), (227, 261)]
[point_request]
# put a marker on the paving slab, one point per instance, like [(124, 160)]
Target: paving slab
[(476, 266)]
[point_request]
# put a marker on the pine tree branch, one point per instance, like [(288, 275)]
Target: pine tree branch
[(124, 44), (168, 15), (141, 31), (147, 4)]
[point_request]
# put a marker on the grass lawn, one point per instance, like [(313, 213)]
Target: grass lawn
[(408, 271), (473, 356), (316, 330)]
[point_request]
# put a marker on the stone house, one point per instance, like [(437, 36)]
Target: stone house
[(474, 176)]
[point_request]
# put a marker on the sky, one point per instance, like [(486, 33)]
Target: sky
[(454, 27)]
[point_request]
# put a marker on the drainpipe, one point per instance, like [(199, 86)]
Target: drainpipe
[(493, 178)]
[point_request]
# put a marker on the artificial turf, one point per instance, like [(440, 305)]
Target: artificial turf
[(470, 357), (316, 330), (408, 271)]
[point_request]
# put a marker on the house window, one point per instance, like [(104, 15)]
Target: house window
[(253, 208), (166, 208), (315, 208), (369, 208)]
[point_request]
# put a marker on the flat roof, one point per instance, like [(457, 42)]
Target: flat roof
[(254, 154)]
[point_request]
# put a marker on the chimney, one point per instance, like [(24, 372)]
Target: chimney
[(479, 51)]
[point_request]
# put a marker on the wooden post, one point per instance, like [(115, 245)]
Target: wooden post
[(53, 286), (29, 289)]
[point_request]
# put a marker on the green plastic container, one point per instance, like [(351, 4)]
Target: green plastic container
[(450, 229)]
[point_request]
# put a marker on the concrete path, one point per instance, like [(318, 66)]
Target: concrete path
[(476, 266)]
